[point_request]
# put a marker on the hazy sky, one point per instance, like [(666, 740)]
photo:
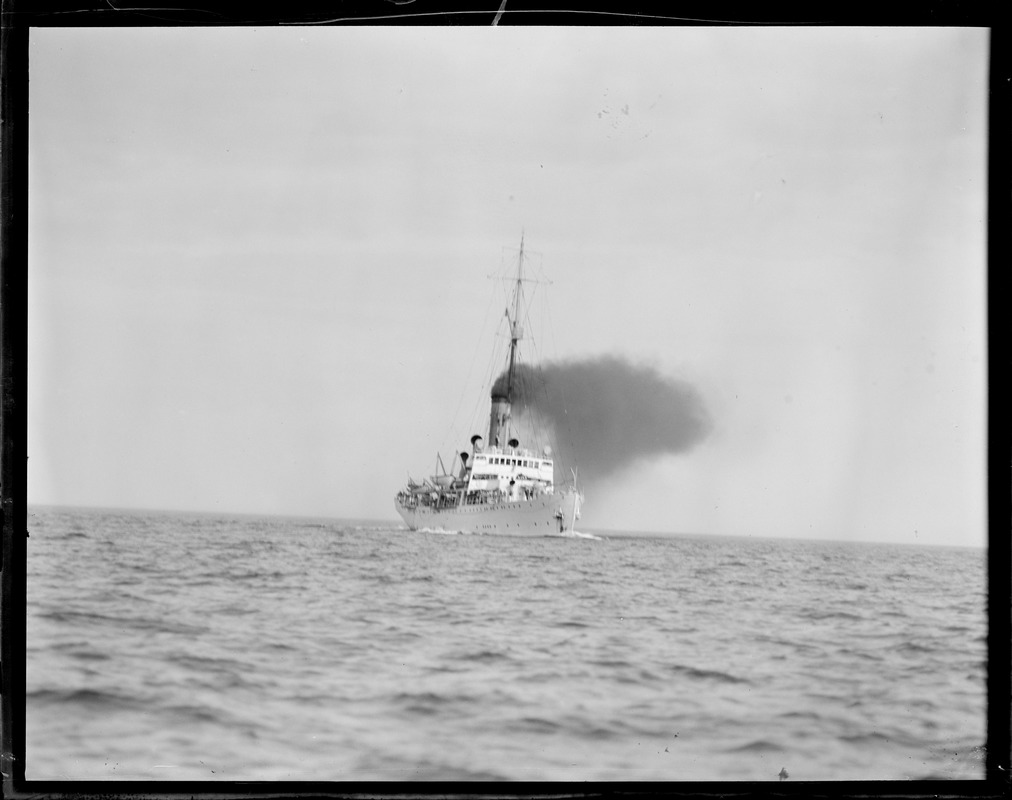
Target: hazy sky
[(259, 259)]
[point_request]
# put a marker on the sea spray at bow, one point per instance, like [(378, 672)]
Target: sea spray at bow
[(606, 413)]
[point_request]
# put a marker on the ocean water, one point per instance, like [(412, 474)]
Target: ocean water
[(166, 646)]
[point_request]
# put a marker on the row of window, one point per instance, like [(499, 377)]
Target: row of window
[(515, 462)]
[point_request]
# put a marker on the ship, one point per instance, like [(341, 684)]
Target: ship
[(502, 487)]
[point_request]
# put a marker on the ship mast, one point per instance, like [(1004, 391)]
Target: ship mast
[(516, 331), (501, 400)]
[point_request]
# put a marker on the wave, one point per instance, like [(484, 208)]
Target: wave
[(532, 725), (810, 715), (71, 535), (757, 746), (706, 674), (431, 703), (207, 664), (252, 575), (485, 656), (92, 699), (915, 647), (188, 715), (386, 767), (818, 615), (879, 739), (865, 656), (610, 662)]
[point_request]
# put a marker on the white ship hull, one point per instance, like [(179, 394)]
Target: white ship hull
[(545, 515)]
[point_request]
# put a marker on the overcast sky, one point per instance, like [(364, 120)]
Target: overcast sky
[(259, 259)]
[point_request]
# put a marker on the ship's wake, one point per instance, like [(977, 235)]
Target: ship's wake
[(576, 535), (443, 531)]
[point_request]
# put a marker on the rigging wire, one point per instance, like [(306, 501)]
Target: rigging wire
[(453, 431), (475, 423), (471, 367), (563, 430), (540, 431), (535, 424)]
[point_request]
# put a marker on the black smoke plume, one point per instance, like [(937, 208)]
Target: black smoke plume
[(606, 413)]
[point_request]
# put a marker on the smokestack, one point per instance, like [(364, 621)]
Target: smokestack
[(499, 417)]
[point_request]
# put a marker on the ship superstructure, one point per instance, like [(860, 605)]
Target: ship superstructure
[(501, 487)]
